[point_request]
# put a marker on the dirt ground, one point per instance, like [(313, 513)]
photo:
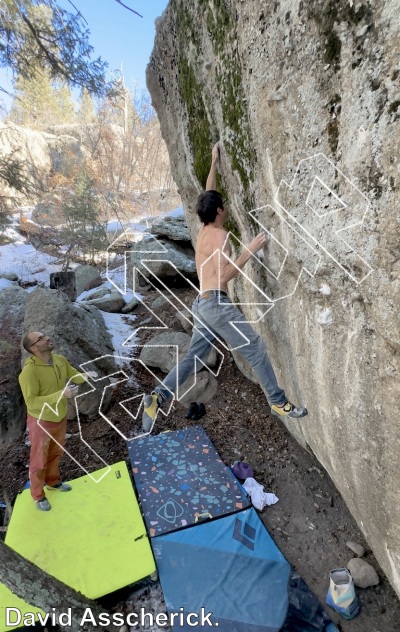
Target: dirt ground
[(310, 523)]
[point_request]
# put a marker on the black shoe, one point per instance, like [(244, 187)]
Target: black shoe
[(201, 411), (192, 410)]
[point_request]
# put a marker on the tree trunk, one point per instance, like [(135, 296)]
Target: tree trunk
[(41, 590)]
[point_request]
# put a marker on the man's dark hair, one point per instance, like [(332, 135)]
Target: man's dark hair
[(207, 206), (27, 342)]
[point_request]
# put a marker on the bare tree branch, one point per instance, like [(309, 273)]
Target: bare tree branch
[(129, 9)]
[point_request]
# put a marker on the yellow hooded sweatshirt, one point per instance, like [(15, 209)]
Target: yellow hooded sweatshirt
[(43, 383)]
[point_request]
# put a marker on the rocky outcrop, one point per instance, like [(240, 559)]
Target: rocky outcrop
[(112, 302), (174, 228), (161, 352), (86, 278), (79, 333), (165, 260), (304, 100), (30, 155), (12, 411)]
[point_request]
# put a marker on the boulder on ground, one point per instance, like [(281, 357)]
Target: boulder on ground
[(99, 293), (174, 228), (113, 302), (10, 276), (86, 278), (358, 549), (363, 574), (130, 305), (159, 302), (205, 387), (186, 320), (169, 262), (12, 408), (160, 351)]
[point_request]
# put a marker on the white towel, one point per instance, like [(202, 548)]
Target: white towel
[(259, 497)]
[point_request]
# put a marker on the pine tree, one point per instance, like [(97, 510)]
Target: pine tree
[(36, 102), (65, 103), (83, 230), (40, 34), (86, 108)]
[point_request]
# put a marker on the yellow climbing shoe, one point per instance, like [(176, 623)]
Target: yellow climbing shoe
[(288, 410)]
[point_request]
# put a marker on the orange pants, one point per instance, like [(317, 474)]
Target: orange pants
[(45, 453)]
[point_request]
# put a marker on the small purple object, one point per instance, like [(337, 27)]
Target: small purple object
[(242, 470)]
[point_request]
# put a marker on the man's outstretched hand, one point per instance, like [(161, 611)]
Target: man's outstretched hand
[(211, 183), (70, 391), (258, 243), (215, 154)]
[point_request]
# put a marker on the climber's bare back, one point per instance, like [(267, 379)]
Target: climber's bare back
[(209, 240)]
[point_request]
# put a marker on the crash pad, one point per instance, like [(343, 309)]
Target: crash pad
[(229, 567), (181, 480), (93, 538), (9, 600)]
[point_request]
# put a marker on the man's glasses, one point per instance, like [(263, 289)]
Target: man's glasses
[(38, 340), (224, 202)]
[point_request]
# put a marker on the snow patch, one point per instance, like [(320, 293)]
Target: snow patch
[(120, 327)]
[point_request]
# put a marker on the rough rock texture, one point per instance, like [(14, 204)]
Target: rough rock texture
[(174, 228), (12, 411), (364, 575), (33, 153), (86, 277), (112, 302), (171, 263), (277, 84), (156, 353), (79, 334), (160, 351)]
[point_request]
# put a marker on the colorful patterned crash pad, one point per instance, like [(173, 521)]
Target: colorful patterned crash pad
[(93, 538), (228, 567), (181, 480)]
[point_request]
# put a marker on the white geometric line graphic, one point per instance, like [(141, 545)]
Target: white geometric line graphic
[(132, 237), (325, 228), (310, 258)]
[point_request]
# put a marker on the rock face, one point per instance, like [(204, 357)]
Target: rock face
[(12, 411), (307, 94), (86, 278), (79, 334), (112, 302), (160, 352), (33, 154), (170, 262), (174, 228)]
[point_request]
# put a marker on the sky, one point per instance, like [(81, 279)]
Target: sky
[(117, 35)]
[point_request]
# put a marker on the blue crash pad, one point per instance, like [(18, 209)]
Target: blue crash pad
[(230, 567)]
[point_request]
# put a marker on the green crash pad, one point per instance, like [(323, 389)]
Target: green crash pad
[(93, 538), (8, 600)]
